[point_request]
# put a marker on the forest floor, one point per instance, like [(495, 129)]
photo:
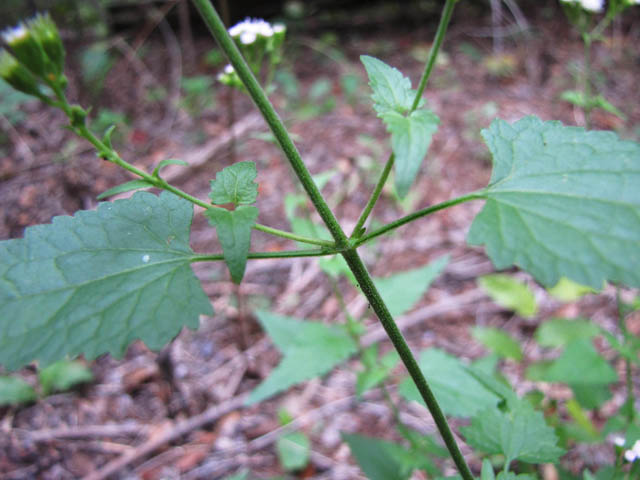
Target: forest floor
[(179, 413)]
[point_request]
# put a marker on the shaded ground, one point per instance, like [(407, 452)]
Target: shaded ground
[(145, 397)]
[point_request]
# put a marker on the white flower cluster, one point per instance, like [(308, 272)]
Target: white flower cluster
[(634, 453), (590, 5), (13, 34), (250, 29)]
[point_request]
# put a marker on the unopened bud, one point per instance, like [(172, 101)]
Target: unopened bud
[(26, 48), (16, 75), (46, 33)]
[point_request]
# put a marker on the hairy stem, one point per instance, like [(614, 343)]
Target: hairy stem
[(314, 252), (445, 18)]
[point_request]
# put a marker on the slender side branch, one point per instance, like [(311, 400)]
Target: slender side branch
[(445, 18), (313, 252), (420, 213)]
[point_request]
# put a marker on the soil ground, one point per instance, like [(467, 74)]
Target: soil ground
[(145, 396)]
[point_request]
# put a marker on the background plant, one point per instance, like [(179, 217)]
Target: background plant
[(150, 236)]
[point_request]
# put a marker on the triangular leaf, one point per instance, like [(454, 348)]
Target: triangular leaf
[(518, 434), (235, 184), (391, 89), (95, 282), (402, 290), (567, 290), (457, 391), (377, 458), (234, 232), (309, 349), (124, 187), (562, 201), (510, 293), (15, 391), (410, 140)]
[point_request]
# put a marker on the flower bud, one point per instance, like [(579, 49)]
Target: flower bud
[(16, 75), (26, 48), (46, 33)]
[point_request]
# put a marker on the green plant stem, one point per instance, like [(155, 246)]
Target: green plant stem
[(314, 252), (586, 79), (215, 25), (445, 18), (629, 403), (395, 335), (257, 94), (420, 213)]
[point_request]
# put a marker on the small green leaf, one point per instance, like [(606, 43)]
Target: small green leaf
[(562, 201), (510, 293), (498, 342), (402, 290), (309, 349), (234, 232), (124, 187), (593, 369), (457, 391), (95, 282), (377, 458), (166, 162), (391, 89), (293, 451), (487, 470), (15, 391), (235, 184), (519, 434), (567, 290), (63, 375), (558, 332), (106, 138)]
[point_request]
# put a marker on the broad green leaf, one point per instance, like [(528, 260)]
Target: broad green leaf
[(63, 375), (411, 132), (235, 184), (15, 391), (391, 89), (377, 458), (510, 293), (498, 342), (519, 434), (410, 140), (293, 451), (124, 187), (457, 391), (487, 470), (567, 290), (95, 282), (234, 232), (562, 201), (581, 364), (558, 332), (402, 290), (309, 349)]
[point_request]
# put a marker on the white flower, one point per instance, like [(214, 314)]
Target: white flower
[(633, 454), (619, 441), (18, 32), (229, 70), (251, 27), (247, 38), (590, 5)]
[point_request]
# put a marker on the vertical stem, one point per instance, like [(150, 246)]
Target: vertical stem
[(586, 80), (629, 402), (395, 335)]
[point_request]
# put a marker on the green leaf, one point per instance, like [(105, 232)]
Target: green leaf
[(498, 342), (235, 184), (95, 282), (410, 140), (376, 372), (63, 375), (567, 290), (293, 451), (15, 391), (510, 293), (391, 89), (562, 201), (309, 349), (518, 434), (487, 470), (234, 232), (593, 369), (377, 458), (558, 332), (513, 476), (457, 391), (166, 162), (401, 291), (124, 187)]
